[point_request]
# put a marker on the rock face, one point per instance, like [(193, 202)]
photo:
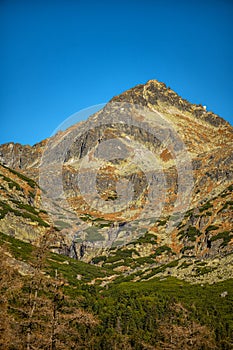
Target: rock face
[(23, 158), (21, 216), (110, 204)]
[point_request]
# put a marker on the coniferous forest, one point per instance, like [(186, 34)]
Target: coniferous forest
[(49, 308)]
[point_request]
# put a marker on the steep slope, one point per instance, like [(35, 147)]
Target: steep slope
[(201, 130), (105, 203), (20, 214)]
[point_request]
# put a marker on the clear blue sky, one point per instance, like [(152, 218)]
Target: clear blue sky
[(58, 57)]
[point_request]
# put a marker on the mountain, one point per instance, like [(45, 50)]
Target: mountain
[(192, 149), (190, 214), (118, 232)]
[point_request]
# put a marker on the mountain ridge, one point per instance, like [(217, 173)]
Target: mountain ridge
[(208, 139)]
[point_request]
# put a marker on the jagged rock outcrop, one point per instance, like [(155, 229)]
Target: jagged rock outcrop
[(204, 231)]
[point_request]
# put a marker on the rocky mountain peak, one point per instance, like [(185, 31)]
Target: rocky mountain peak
[(157, 94), (91, 214)]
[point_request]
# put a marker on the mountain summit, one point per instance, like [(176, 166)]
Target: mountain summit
[(143, 182)]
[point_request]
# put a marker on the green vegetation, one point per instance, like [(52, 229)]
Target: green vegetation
[(162, 222), (206, 206), (26, 207), (104, 224), (68, 267), (12, 184), (125, 256), (191, 233), (173, 263), (138, 316), (186, 248), (144, 260), (188, 213), (211, 228), (20, 250), (184, 265), (5, 208), (86, 217), (32, 194), (226, 236), (226, 205), (203, 270), (162, 249), (121, 254), (98, 259), (34, 218), (160, 269), (155, 296), (99, 222), (147, 238), (223, 195), (30, 182)]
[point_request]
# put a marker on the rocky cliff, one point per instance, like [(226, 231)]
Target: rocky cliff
[(150, 172)]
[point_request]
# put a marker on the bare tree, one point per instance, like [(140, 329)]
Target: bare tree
[(41, 316), (10, 285)]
